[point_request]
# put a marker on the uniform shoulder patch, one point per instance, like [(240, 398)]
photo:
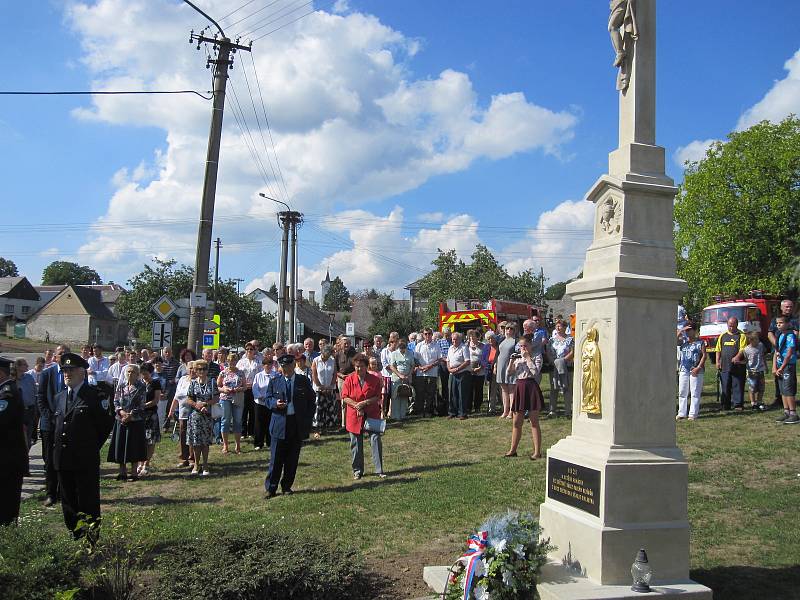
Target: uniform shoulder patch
[(3, 405), (104, 403)]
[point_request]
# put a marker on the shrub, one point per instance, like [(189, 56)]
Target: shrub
[(37, 564), (244, 566)]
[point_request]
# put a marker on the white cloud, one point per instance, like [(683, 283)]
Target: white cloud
[(558, 243), (350, 122), (780, 101), (692, 152)]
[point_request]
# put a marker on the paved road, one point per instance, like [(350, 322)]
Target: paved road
[(34, 483)]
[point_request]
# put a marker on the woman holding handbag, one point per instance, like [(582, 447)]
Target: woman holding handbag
[(361, 397)]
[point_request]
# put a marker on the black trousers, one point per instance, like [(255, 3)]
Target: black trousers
[(426, 394), (283, 458), (50, 473), (477, 392), (10, 490), (444, 379), (80, 493), (261, 418), (249, 414), (732, 388)]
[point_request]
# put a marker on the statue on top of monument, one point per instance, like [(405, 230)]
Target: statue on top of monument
[(624, 32)]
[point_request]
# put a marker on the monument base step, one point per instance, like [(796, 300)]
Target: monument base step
[(559, 584)]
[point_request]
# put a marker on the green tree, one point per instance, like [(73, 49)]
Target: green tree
[(62, 272), (273, 289), (8, 268), (737, 214), (556, 291), (388, 316), (482, 279), (241, 317), (337, 298), (149, 285)]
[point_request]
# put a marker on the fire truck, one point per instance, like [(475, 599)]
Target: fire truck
[(461, 315), (754, 311)]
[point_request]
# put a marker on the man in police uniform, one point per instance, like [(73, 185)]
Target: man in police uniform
[(290, 397), (50, 384), (13, 447), (82, 423)]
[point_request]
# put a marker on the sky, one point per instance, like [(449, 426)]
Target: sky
[(396, 127)]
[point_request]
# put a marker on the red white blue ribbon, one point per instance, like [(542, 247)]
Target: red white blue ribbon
[(476, 546)]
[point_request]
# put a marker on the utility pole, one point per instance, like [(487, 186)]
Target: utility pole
[(221, 64), (217, 245), (289, 220)]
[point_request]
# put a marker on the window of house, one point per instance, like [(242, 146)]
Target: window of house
[(26, 310), (9, 309)]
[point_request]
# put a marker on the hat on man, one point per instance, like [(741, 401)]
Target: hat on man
[(285, 359), (73, 361)]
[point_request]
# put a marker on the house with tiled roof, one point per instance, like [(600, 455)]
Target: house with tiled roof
[(77, 314)]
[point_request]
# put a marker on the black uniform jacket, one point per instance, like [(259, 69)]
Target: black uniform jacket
[(80, 431), (13, 449)]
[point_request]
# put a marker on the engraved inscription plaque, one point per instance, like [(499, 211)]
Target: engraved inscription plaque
[(575, 485)]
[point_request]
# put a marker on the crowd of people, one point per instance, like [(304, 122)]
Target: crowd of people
[(742, 364), (279, 396)]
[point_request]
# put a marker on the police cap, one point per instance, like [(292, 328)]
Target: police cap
[(285, 359), (73, 361)]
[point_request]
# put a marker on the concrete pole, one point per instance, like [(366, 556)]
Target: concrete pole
[(293, 284), (280, 334)]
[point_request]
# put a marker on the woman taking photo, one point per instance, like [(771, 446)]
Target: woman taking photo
[(231, 398), (323, 378), (152, 429), (527, 397), (361, 396), (127, 440), (201, 396)]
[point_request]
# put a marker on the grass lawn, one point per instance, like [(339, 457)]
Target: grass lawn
[(446, 476)]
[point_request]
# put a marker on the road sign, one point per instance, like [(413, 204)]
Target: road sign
[(211, 334), (162, 334), (197, 299), (164, 307), (350, 329)]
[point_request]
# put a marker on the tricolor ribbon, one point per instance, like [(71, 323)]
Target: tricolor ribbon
[(476, 546)]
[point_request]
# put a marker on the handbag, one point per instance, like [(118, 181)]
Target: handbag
[(375, 425)]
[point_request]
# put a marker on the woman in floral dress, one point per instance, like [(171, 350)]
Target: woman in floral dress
[(152, 428), (323, 377), (202, 395)]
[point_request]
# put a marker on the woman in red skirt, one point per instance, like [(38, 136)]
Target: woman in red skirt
[(527, 397)]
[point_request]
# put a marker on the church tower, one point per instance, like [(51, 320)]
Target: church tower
[(325, 285)]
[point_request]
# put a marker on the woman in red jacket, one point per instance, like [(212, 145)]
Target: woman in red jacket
[(361, 395)]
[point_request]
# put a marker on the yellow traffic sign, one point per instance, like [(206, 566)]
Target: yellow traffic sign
[(211, 333), (164, 307)]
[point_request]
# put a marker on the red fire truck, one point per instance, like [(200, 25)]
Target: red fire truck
[(461, 315), (754, 312)]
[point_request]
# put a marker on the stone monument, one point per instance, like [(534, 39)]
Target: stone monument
[(619, 482)]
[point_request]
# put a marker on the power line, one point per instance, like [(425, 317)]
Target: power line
[(106, 93), (251, 14), (235, 10), (276, 16)]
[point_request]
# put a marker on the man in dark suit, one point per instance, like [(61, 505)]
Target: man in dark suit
[(290, 397), (81, 424), (13, 445), (50, 384)]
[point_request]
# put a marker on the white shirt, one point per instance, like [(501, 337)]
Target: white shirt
[(249, 368), (325, 370), (386, 358), (181, 393), (427, 353), (99, 367), (456, 356), (260, 382), (116, 371)]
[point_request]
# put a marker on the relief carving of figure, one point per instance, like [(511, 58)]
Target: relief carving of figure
[(591, 371), (609, 216), (624, 32)]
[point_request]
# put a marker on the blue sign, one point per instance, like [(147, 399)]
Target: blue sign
[(208, 340)]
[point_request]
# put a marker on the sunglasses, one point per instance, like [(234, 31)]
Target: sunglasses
[(201, 368)]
